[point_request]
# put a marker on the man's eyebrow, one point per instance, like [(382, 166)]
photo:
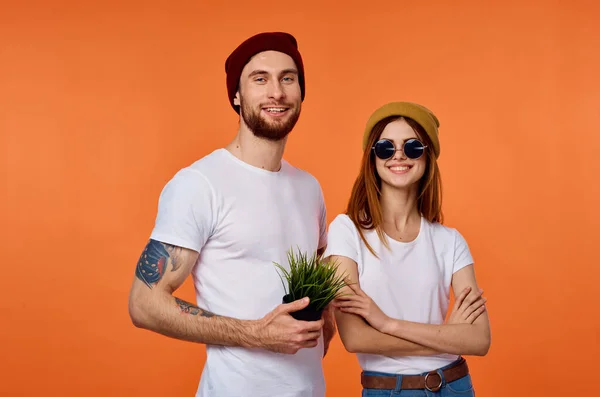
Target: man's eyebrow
[(285, 71), (256, 72)]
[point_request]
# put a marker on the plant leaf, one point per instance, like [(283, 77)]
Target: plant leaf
[(313, 277)]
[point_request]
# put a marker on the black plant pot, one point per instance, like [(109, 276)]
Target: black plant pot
[(307, 314)]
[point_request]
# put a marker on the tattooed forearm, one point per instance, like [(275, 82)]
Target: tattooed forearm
[(192, 309), (153, 261)]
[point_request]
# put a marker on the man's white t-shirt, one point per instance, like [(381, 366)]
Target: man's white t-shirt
[(412, 281), (242, 219)]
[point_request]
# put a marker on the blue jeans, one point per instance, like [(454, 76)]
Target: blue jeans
[(462, 387)]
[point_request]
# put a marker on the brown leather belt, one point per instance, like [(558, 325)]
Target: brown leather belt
[(430, 381)]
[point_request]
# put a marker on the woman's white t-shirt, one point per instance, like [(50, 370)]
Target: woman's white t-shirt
[(410, 281)]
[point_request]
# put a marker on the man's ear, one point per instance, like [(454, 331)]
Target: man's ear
[(236, 98)]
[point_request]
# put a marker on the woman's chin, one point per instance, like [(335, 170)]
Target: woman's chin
[(399, 184)]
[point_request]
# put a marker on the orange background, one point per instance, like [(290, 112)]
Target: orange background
[(102, 102)]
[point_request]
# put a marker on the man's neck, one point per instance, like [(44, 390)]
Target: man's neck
[(258, 152)]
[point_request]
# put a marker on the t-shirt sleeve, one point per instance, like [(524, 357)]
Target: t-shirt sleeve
[(341, 239), (186, 211), (462, 254)]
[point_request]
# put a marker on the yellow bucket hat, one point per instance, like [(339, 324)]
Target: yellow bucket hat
[(418, 113)]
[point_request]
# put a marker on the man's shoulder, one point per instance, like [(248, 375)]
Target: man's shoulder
[(196, 174), (202, 168), (206, 163), (301, 175)]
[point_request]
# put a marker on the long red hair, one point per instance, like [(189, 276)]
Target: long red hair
[(364, 207)]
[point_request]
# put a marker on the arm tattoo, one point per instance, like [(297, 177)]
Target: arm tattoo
[(188, 308), (175, 252), (152, 263)]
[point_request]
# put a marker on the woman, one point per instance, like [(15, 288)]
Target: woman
[(401, 262)]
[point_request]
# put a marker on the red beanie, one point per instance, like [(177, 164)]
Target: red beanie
[(269, 41)]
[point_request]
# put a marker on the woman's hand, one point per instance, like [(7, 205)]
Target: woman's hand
[(361, 304), (467, 307)]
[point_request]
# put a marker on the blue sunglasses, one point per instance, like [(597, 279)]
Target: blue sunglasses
[(412, 148)]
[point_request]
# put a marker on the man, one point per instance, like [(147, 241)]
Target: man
[(225, 220)]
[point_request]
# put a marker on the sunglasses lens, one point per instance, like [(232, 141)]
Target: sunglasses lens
[(413, 149), (384, 149)]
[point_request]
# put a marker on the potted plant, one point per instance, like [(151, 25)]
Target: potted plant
[(310, 277)]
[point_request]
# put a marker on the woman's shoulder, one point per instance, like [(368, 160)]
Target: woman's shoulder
[(342, 221), (343, 224), (442, 231), (341, 218)]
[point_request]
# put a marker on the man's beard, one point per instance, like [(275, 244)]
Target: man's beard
[(275, 130)]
